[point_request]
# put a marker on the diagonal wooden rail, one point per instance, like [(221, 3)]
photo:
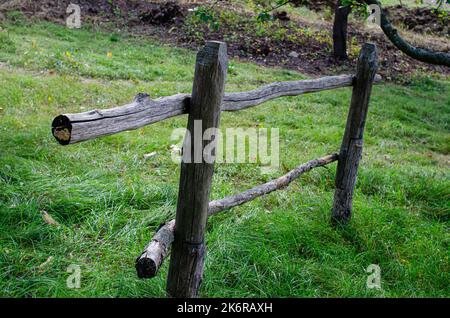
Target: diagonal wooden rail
[(150, 261)]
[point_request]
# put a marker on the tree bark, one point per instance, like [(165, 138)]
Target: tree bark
[(149, 262)]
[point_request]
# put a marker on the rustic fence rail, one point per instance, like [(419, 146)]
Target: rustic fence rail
[(73, 128), (150, 261), (186, 232)]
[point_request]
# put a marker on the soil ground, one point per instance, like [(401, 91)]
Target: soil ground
[(309, 53)]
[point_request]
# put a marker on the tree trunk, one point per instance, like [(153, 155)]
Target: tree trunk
[(340, 30)]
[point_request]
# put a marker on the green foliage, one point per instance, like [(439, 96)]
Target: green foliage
[(16, 17), (360, 9), (207, 15), (236, 25), (6, 44), (202, 19), (264, 17), (265, 7), (114, 37)]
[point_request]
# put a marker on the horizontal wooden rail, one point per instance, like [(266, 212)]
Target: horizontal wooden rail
[(149, 262), (73, 128)]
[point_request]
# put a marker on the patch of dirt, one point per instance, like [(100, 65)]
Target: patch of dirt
[(316, 5), (161, 14), (419, 20), (119, 11), (303, 47)]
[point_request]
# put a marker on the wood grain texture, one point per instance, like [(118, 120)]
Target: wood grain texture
[(149, 262), (352, 142), (242, 100), (188, 252), (73, 128)]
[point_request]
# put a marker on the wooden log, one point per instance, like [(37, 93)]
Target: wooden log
[(149, 262), (242, 100), (352, 142), (73, 128), (276, 184), (188, 252)]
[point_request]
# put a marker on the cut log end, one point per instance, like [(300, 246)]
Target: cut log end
[(62, 129), (149, 262), (146, 267)]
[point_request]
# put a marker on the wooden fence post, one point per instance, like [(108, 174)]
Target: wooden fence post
[(351, 148), (188, 250)]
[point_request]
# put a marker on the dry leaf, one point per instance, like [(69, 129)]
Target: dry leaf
[(149, 155), (48, 219), (49, 259)]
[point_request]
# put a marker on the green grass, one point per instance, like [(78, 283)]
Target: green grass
[(406, 3), (109, 200)]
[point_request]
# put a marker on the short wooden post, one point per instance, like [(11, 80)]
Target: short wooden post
[(351, 148), (188, 250)]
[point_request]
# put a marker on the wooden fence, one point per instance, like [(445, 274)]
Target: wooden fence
[(186, 232)]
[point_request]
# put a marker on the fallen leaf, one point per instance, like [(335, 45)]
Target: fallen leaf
[(149, 155), (49, 259), (48, 219)]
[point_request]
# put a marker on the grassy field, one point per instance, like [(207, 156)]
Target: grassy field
[(108, 200)]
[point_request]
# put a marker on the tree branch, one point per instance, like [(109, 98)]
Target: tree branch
[(423, 55)]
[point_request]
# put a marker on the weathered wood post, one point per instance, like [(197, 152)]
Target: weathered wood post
[(351, 148), (188, 251)]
